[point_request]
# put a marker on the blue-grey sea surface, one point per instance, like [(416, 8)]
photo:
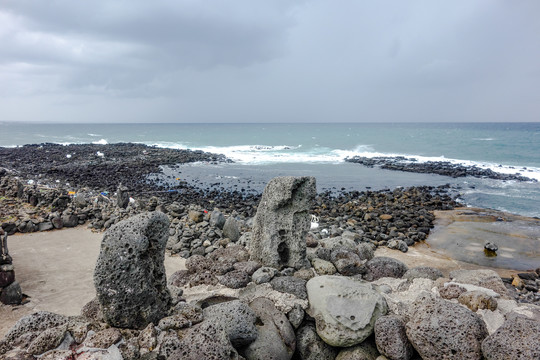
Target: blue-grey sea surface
[(262, 151)]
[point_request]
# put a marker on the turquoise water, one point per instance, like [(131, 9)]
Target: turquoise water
[(261, 151)]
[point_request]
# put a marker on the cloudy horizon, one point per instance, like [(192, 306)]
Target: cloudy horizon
[(275, 61)]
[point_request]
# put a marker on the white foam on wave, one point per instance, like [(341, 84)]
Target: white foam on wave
[(484, 139), (270, 154), (166, 145), (94, 135), (100, 142)]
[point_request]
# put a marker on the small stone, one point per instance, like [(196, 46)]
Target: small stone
[(311, 347), (426, 272), (379, 267), (264, 275), (203, 278), (195, 216), (398, 245), (104, 338), (12, 294), (47, 340), (247, 266), (365, 351), (235, 279), (451, 291), (296, 316), (475, 300), (231, 229), (198, 263), (323, 267), (290, 285), (6, 278), (491, 247)]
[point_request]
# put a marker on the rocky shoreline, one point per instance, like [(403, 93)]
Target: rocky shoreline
[(259, 272), (308, 294), (446, 168)]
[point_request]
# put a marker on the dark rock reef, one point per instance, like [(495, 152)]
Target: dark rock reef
[(446, 168)]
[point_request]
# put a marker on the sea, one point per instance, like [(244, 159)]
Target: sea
[(262, 151)]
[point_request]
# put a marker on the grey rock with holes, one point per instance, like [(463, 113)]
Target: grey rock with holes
[(426, 272), (382, 266), (29, 328), (310, 346), (364, 351), (485, 278), (282, 222), (290, 285), (391, 338), (236, 319), (226, 327), (344, 309), (276, 339), (130, 276), (517, 338), (439, 329), (264, 275)]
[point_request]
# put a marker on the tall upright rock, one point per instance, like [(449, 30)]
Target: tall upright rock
[(282, 222), (130, 278)]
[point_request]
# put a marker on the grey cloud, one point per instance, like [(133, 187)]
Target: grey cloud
[(245, 60)]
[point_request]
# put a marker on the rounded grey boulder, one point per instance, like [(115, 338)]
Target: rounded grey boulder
[(276, 339), (382, 266), (130, 276)]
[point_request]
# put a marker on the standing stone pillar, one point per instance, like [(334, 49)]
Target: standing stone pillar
[(130, 279), (282, 222)]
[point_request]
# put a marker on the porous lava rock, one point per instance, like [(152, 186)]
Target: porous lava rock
[(130, 276), (282, 222), (439, 329), (517, 338)]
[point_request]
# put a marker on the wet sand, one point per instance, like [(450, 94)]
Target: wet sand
[(460, 234)]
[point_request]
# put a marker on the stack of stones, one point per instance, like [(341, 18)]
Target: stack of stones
[(10, 290)]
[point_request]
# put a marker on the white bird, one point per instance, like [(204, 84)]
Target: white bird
[(100, 154), (314, 222)]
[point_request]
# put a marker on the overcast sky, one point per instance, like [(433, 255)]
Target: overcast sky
[(269, 61)]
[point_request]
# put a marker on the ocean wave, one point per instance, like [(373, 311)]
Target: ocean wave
[(94, 135), (259, 154), (484, 139), (100, 142)]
